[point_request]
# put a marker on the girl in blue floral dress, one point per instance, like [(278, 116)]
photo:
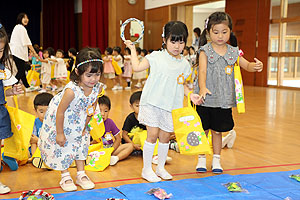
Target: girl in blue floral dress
[(64, 136)]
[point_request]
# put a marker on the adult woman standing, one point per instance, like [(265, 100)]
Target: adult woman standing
[(197, 33), (19, 44)]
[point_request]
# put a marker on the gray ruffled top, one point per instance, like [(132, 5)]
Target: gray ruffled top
[(219, 77)]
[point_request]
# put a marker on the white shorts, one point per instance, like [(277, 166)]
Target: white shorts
[(46, 78), (156, 117)]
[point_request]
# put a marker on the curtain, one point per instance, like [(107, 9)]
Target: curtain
[(95, 23), (58, 24)]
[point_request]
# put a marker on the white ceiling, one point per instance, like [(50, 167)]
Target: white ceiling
[(209, 7)]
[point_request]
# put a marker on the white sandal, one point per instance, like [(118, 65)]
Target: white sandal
[(68, 187), (4, 189), (86, 185)]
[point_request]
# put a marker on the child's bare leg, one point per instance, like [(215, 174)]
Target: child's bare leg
[(123, 151), (217, 147)]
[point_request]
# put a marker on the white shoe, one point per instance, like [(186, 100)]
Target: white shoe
[(42, 91), (150, 176), (163, 174), (201, 165), (114, 88), (127, 88), (4, 189), (216, 165), (30, 89), (232, 140), (113, 160), (119, 87), (138, 85), (155, 160)]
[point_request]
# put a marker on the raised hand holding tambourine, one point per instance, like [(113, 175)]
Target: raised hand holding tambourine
[(123, 29)]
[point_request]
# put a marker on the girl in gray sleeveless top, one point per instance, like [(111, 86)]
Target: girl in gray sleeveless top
[(215, 82)]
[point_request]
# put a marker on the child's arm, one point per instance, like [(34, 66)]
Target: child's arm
[(202, 76), (117, 58), (14, 90), (137, 66), (117, 142), (195, 98), (256, 66), (62, 107)]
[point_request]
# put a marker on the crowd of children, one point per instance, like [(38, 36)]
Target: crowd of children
[(61, 128)]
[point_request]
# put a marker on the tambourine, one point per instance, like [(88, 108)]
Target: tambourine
[(124, 25), (36, 194)]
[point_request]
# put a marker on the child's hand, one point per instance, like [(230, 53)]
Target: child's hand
[(130, 45), (137, 146), (258, 65), (34, 139), (17, 89), (196, 99), (61, 139), (203, 94)]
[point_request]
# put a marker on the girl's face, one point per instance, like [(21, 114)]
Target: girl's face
[(115, 53), (25, 20), (59, 54), (2, 46), (219, 34), (46, 54), (89, 80), (175, 48)]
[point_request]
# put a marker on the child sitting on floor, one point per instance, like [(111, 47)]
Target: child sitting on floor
[(111, 137), (40, 102), (131, 123)]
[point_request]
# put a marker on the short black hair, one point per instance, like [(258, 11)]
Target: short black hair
[(42, 99), (109, 50), (117, 49), (145, 51), (136, 96), (128, 50), (138, 50), (105, 101), (197, 30), (72, 51)]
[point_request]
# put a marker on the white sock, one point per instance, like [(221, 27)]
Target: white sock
[(216, 161), (201, 161), (147, 155), (113, 160), (80, 172), (162, 153)]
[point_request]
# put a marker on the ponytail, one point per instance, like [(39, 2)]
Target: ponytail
[(233, 40), (203, 39)]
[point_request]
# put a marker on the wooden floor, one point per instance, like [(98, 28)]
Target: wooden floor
[(268, 140)]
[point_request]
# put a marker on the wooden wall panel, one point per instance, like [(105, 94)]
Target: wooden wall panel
[(251, 24), (155, 19), (122, 10)]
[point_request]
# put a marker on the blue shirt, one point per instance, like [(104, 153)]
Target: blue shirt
[(36, 128), (164, 86)]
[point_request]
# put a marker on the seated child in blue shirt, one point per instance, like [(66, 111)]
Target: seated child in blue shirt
[(40, 102), (111, 137)]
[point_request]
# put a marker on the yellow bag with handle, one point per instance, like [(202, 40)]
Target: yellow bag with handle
[(139, 136), (189, 133), (22, 126), (98, 157), (239, 88), (33, 77), (117, 68)]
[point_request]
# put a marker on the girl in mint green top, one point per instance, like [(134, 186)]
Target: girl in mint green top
[(164, 91)]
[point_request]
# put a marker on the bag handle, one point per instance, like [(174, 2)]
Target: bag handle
[(16, 101), (237, 63), (189, 101)]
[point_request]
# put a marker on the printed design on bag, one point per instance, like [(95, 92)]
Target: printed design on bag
[(186, 118), (193, 139), (197, 124), (95, 155), (238, 91), (19, 127), (229, 69), (186, 123)]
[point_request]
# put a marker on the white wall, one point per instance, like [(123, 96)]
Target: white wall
[(149, 4)]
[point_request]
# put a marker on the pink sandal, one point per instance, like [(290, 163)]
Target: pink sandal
[(86, 185), (68, 187)]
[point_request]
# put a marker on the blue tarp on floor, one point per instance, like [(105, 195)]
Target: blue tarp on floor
[(261, 186)]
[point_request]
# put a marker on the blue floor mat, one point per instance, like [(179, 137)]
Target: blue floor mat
[(261, 186)]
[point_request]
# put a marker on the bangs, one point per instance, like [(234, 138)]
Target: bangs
[(176, 38), (177, 33), (94, 68)]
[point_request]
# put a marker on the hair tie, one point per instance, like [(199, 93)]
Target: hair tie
[(88, 61), (206, 23)]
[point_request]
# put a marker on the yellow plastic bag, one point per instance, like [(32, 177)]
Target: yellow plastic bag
[(98, 158), (33, 77), (96, 126), (239, 88), (190, 135), (139, 137), (117, 68), (22, 126)]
